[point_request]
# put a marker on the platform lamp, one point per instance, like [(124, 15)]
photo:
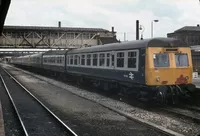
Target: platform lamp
[(152, 27), (142, 28)]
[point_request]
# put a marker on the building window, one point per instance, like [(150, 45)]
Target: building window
[(71, 59), (94, 59), (132, 59), (120, 59), (108, 60), (88, 59), (82, 59), (101, 59)]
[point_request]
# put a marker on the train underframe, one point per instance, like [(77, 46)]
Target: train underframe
[(166, 94), (174, 93)]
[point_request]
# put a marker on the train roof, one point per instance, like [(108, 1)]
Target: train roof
[(155, 42), (37, 54), (56, 52)]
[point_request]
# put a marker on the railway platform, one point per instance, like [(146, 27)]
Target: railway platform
[(2, 133)]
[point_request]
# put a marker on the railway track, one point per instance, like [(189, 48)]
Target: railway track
[(189, 112), (128, 114), (35, 118)]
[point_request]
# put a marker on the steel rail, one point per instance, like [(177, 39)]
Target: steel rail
[(139, 120), (184, 113), (57, 118), (16, 110)]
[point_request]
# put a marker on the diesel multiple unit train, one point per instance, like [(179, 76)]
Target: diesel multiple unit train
[(158, 68)]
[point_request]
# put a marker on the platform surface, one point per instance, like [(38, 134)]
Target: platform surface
[(2, 133)]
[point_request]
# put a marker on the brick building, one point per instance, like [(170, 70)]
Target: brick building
[(189, 34)]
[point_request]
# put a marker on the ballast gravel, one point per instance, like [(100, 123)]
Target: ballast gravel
[(175, 124)]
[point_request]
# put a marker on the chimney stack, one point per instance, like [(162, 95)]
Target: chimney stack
[(137, 29), (59, 24), (112, 29)]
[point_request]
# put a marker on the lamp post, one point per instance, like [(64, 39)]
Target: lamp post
[(142, 30), (152, 27)]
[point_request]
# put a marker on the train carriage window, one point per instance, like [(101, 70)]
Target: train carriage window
[(132, 56), (161, 60), (94, 59), (45, 60), (120, 59), (52, 59), (181, 60), (58, 59), (68, 60), (101, 59), (108, 60), (63, 59), (113, 60), (71, 59), (76, 60), (88, 59), (82, 59), (49, 59)]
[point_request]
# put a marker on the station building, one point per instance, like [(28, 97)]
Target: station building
[(190, 35), (54, 37)]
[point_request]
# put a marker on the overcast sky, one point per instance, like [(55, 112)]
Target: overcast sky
[(122, 14)]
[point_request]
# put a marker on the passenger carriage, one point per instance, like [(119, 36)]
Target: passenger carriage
[(54, 60), (158, 68)]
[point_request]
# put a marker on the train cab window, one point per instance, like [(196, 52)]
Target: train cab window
[(120, 59), (71, 60), (161, 60), (82, 59), (101, 59), (132, 59), (94, 59), (88, 59), (108, 60), (181, 60)]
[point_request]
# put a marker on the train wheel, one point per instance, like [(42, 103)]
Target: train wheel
[(161, 95)]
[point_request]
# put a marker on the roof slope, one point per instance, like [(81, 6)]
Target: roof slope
[(57, 52), (188, 28), (39, 28)]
